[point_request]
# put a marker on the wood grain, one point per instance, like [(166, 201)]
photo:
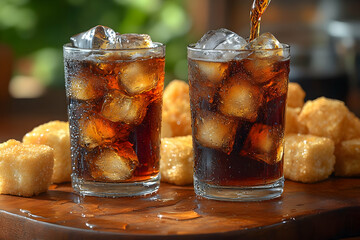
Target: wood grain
[(329, 209)]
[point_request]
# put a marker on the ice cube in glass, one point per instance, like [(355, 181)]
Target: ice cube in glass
[(240, 99), (215, 131), (118, 107), (136, 78), (263, 143), (116, 165)]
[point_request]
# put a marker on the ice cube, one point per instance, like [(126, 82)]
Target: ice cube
[(118, 107), (99, 37), (264, 143), (85, 87), (132, 40), (266, 41), (137, 77), (215, 131), (212, 71), (262, 69), (276, 87), (221, 39), (238, 98), (116, 164), (95, 131)]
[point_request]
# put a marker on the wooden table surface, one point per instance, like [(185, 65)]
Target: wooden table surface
[(329, 209)]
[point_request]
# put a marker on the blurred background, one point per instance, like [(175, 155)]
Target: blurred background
[(324, 36)]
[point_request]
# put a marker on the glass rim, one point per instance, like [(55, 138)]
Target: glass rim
[(68, 46), (191, 47)]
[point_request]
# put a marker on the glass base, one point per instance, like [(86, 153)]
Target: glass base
[(102, 189), (239, 194)]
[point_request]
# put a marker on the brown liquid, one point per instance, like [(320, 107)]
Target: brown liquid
[(139, 139), (258, 8), (255, 155)]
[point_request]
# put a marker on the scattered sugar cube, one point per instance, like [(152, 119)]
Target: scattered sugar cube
[(292, 123), (54, 134), (177, 160), (25, 169), (308, 158), (324, 117), (348, 158), (296, 95), (176, 117), (351, 127)]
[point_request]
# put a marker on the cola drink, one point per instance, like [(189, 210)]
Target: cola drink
[(114, 107), (238, 109)]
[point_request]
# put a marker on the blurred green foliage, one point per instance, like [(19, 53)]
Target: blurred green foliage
[(39, 28)]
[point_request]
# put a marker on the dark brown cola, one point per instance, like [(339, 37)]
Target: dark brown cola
[(115, 117), (238, 111)]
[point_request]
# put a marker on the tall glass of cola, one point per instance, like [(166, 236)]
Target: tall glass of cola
[(114, 84), (238, 95)]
